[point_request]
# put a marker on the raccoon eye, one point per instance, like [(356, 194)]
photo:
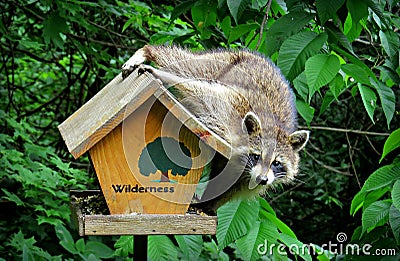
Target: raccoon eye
[(277, 167), (276, 163), (254, 157)]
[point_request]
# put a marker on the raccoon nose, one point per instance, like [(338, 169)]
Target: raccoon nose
[(262, 180)]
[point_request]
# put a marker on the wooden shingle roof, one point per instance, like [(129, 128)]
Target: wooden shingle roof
[(115, 102)]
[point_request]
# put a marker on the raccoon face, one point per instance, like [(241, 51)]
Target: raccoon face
[(273, 155)]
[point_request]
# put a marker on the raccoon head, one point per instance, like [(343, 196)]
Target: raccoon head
[(273, 153)]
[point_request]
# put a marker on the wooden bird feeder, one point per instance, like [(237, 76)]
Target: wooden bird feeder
[(148, 152)]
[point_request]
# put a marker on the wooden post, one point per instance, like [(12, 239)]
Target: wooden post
[(140, 247)]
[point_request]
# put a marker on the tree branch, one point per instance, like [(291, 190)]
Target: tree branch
[(101, 42), (263, 24), (328, 167), (345, 130)]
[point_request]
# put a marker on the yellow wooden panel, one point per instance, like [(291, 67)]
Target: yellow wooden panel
[(129, 187)]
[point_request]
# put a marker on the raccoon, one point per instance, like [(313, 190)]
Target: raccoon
[(242, 97)]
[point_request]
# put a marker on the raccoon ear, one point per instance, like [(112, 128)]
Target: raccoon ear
[(251, 123), (298, 139)]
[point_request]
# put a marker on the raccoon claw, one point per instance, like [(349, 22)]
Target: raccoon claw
[(142, 68), (127, 71)]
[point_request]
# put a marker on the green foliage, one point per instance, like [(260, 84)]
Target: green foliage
[(27, 249), (161, 248), (378, 212), (392, 143), (320, 70), (37, 181), (234, 220), (47, 70), (92, 250), (124, 246), (257, 231), (190, 245)]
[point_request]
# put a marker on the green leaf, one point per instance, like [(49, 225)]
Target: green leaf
[(265, 206), (357, 202), (394, 221), (376, 7), (190, 245), (53, 26), (377, 214), (369, 98), (296, 50), (374, 195), (382, 177), (378, 182), (328, 99), (80, 245), (238, 31), (31, 45), (388, 100), (259, 234), (295, 246), (301, 86), (66, 240), (396, 194), (280, 225), (204, 15), (357, 72), (355, 60), (327, 9), (124, 246), (285, 27), (392, 143), (226, 26), (337, 36), (337, 86), (12, 197), (236, 8), (388, 74), (305, 111), (320, 70), (181, 8), (358, 9), (234, 220), (50, 220), (353, 26), (98, 249), (161, 248), (390, 42)]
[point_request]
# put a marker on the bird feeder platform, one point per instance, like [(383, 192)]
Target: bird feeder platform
[(90, 220)]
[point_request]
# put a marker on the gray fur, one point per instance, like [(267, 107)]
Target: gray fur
[(223, 88)]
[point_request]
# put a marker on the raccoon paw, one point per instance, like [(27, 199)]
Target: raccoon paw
[(137, 59), (142, 68)]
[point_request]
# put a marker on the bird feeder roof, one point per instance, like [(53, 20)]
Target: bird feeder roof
[(115, 102)]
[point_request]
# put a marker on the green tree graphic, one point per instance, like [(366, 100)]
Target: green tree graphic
[(165, 154)]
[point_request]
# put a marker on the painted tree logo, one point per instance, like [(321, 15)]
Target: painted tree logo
[(166, 155)]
